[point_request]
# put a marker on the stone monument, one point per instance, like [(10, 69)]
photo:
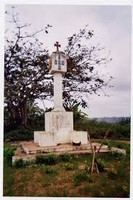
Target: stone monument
[(58, 122), (59, 136)]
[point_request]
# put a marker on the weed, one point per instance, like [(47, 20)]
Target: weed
[(109, 145), (50, 170), (101, 164), (80, 176), (68, 166), (48, 159), (112, 173), (65, 157), (8, 180), (8, 153), (121, 170), (19, 163)]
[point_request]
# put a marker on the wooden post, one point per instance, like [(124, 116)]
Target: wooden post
[(90, 141), (106, 134), (93, 159)]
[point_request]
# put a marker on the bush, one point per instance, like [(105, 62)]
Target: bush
[(48, 159), (22, 163), (68, 166), (100, 164), (65, 157), (80, 176), (19, 163), (8, 153), (20, 134)]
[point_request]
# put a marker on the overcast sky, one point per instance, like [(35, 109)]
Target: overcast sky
[(112, 29)]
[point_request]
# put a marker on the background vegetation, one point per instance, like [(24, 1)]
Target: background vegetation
[(36, 121)]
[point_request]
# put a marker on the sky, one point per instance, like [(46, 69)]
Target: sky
[(112, 30)]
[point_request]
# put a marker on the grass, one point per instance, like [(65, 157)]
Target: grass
[(65, 178)]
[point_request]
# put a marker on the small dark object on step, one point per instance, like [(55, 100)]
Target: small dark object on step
[(76, 144)]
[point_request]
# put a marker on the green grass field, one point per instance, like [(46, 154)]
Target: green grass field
[(70, 177)]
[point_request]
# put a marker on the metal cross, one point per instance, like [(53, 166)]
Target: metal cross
[(57, 45)]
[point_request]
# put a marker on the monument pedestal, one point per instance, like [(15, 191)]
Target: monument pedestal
[(59, 123), (58, 126), (59, 130)]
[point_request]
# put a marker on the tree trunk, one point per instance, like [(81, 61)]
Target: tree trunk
[(15, 115), (23, 111)]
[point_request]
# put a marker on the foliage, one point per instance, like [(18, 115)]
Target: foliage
[(65, 157), (81, 176), (35, 116), (68, 166), (26, 69), (83, 73), (50, 170), (22, 163), (109, 145), (48, 159), (8, 178), (80, 118), (8, 153), (19, 163), (100, 164), (97, 129), (20, 134), (112, 173)]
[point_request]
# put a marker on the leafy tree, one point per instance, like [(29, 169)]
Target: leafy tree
[(27, 72), (80, 118), (35, 116), (83, 76)]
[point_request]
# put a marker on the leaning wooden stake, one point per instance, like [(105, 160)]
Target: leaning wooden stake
[(94, 163), (93, 159), (90, 142), (105, 136)]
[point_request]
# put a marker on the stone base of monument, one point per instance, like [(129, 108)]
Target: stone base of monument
[(63, 136), (59, 130), (29, 150)]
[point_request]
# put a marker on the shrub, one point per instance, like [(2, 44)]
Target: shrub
[(48, 159), (22, 163), (100, 164), (65, 157), (80, 176), (39, 159), (68, 166), (8, 153), (19, 163), (20, 134)]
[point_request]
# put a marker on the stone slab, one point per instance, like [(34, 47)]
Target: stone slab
[(32, 148), (29, 150), (79, 136)]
